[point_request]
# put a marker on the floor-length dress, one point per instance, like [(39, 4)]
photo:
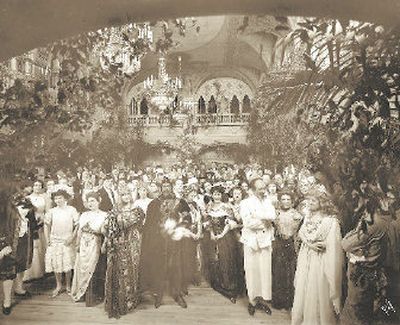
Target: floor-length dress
[(222, 254), (318, 278), (284, 258), (37, 269), (90, 227), (190, 249), (123, 231)]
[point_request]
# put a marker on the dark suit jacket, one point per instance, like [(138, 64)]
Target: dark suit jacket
[(106, 203)]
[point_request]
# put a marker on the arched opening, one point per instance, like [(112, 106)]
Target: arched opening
[(212, 105), (201, 108), (234, 105), (246, 105), (144, 109)]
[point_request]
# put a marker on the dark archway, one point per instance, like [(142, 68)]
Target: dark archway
[(144, 108), (212, 105), (246, 105), (235, 105), (201, 109)]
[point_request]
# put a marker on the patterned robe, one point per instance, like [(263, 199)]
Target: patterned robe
[(123, 233)]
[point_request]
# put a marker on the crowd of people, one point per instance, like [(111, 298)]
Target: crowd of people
[(247, 231)]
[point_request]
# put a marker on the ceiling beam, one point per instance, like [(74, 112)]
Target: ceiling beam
[(28, 24)]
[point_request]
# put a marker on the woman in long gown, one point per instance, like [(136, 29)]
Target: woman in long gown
[(284, 257), (223, 247), (318, 278), (123, 240), (237, 197), (190, 246), (86, 281), (42, 204)]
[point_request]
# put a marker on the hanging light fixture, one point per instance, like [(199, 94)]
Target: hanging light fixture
[(163, 89), (123, 47)]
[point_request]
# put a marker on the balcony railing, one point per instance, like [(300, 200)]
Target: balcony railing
[(199, 120)]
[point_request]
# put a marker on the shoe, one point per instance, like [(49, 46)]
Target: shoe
[(25, 295), (56, 293), (251, 309), (6, 310), (264, 307), (157, 300), (180, 301)]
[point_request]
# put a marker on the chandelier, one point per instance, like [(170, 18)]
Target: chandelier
[(123, 47), (163, 89)]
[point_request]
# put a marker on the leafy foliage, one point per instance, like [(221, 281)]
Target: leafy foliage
[(340, 114)]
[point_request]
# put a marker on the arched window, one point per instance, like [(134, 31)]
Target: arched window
[(246, 107), (144, 109), (235, 105), (212, 105), (202, 106)]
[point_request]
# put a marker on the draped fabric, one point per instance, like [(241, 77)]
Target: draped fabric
[(318, 278), (85, 264), (123, 257), (37, 269), (162, 259), (90, 227)]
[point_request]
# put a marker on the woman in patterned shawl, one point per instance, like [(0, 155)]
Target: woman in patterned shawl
[(123, 240)]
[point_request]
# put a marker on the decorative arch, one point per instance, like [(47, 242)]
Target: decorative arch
[(227, 94)]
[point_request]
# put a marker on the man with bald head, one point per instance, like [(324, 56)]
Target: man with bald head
[(257, 213)]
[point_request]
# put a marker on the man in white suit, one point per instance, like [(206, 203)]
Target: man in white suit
[(257, 213)]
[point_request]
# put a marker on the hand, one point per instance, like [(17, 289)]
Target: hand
[(212, 236), (68, 241), (6, 251), (318, 246)]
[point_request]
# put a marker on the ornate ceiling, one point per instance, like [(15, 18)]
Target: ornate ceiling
[(220, 46)]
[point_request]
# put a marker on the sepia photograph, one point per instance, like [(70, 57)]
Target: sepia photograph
[(175, 162)]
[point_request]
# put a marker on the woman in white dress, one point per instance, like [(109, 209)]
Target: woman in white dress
[(318, 278), (41, 204), (90, 233), (60, 230)]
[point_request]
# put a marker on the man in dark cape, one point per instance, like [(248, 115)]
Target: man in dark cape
[(162, 258)]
